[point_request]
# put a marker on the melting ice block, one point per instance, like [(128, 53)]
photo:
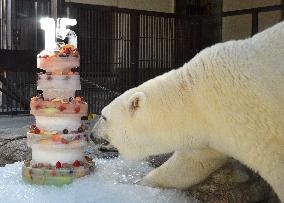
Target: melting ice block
[(70, 123), (58, 138), (44, 154), (62, 59)]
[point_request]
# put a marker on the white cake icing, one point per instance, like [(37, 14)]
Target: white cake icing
[(71, 123), (63, 82), (46, 154), (58, 86), (58, 135), (58, 93), (52, 64), (74, 140)]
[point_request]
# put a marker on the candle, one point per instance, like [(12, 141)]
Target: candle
[(48, 25), (62, 32)]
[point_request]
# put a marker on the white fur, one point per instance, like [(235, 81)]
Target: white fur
[(227, 101)]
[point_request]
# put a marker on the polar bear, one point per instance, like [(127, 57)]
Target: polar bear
[(228, 101)]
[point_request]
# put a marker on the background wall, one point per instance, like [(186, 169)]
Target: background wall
[(239, 27), (166, 6)]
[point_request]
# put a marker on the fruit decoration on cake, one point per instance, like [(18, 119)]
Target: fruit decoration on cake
[(58, 138)]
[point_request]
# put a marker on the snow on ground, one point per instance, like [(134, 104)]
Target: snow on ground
[(112, 181)]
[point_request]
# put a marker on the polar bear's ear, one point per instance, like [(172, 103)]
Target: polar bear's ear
[(136, 101)]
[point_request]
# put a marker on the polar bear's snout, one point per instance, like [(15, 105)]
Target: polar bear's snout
[(99, 130)]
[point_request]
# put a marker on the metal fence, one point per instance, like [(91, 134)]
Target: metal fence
[(122, 48), (119, 48), (16, 94), (20, 38)]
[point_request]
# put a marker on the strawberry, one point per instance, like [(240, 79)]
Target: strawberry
[(37, 107), (77, 109), (64, 141), (76, 163), (58, 164), (61, 108), (33, 126), (67, 50), (36, 130)]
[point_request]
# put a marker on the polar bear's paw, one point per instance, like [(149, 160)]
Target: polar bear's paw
[(184, 169), (144, 182), (152, 180)]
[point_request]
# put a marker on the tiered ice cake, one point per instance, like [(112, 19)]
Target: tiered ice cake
[(58, 138)]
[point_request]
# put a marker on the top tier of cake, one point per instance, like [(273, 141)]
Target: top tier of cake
[(62, 59), (61, 79)]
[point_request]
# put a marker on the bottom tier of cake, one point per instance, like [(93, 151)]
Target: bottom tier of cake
[(46, 174)]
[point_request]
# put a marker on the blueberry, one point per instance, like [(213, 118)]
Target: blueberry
[(84, 118), (80, 130), (65, 131)]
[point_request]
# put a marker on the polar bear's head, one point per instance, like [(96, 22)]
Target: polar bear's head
[(124, 123), (144, 121)]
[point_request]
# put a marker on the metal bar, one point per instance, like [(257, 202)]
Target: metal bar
[(123, 71), (152, 46), (143, 45), (282, 10), (4, 24), (127, 69), (122, 10), (251, 10), (254, 24), (36, 20), (135, 24), (54, 9)]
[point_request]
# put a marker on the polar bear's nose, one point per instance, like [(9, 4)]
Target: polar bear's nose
[(105, 142)]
